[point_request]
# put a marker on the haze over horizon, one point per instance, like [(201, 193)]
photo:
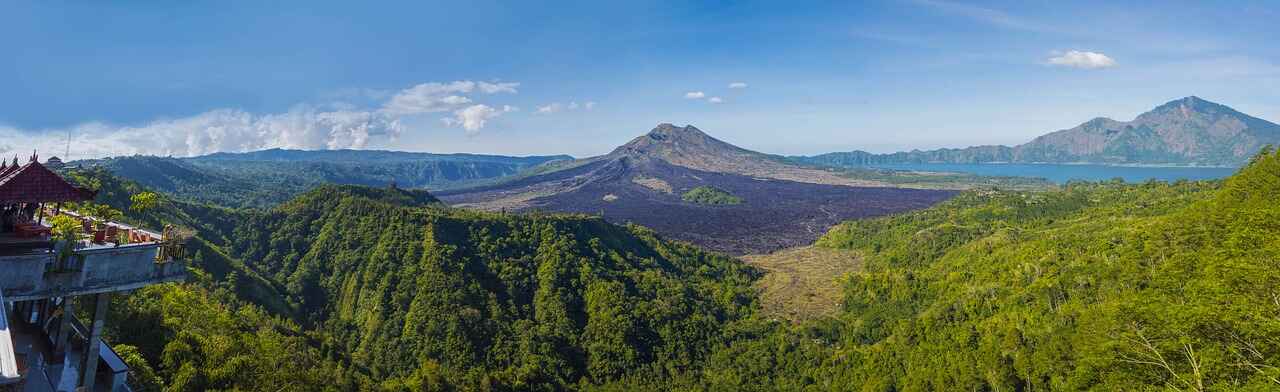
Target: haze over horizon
[(517, 79)]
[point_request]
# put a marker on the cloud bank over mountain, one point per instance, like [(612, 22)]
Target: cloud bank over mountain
[(336, 126)]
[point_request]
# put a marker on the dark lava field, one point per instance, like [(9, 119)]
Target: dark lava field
[(774, 214)]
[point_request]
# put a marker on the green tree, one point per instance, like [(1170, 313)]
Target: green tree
[(143, 202)]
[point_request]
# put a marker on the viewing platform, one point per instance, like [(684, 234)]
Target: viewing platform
[(45, 271), (40, 269)]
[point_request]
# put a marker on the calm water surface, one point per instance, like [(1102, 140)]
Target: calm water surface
[(1063, 173)]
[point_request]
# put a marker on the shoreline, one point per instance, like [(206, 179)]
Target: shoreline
[(1136, 165)]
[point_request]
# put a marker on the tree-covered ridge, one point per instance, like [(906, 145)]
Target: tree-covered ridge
[(517, 301), (227, 328), (375, 288), (1098, 286)]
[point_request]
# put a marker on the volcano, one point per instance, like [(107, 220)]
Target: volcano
[(766, 203)]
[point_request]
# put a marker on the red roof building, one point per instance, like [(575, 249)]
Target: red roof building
[(33, 183)]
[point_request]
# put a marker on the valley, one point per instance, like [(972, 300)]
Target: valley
[(680, 262), (635, 196), (378, 275)]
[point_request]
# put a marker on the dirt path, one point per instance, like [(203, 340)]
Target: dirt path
[(803, 283)]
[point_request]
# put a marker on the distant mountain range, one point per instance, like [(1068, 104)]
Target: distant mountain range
[(365, 156), (267, 177), (1189, 131), (750, 202)]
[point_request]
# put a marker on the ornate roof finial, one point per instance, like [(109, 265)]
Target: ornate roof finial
[(34, 156), (15, 159)]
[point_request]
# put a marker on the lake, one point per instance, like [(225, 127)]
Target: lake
[(1060, 174)]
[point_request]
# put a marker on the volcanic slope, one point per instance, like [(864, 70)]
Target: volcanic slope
[(782, 205)]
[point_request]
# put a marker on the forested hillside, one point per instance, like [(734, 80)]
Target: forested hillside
[(354, 288), (486, 299), (1096, 286)]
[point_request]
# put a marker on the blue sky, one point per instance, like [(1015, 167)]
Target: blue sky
[(582, 77)]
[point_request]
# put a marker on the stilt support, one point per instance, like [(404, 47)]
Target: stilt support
[(95, 341)]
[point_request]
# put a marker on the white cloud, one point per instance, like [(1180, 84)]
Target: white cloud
[(441, 97), (221, 130), (1082, 59), (554, 107), (494, 88), (738, 85), (557, 107), (474, 117), (715, 100), (335, 126), (694, 95)]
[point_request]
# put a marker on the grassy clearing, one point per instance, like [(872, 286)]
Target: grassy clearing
[(653, 183), (803, 283)]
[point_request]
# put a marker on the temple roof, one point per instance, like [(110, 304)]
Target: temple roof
[(34, 183)]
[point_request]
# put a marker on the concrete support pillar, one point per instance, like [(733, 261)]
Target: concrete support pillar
[(95, 341), (61, 342)]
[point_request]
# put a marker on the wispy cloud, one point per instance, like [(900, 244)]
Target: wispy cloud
[(989, 16), (694, 95), (333, 126), (1081, 59), (715, 100), (738, 85)]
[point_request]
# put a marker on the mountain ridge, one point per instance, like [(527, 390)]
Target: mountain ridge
[(1189, 131), (267, 177), (285, 154)]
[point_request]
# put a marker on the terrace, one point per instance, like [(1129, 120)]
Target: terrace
[(44, 271), (34, 237)]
